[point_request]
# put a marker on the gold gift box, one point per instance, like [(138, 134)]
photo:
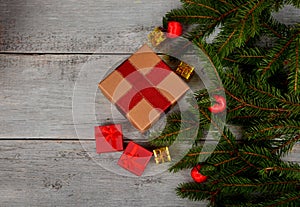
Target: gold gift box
[(156, 37), (185, 71), (162, 155)]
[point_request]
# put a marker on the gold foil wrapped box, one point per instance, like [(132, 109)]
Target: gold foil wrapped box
[(162, 155), (185, 71), (156, 37)]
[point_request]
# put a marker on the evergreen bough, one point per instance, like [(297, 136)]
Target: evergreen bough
[(262, 86)]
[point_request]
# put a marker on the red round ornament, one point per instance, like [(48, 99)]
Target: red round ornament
[(219, 106), (174, 29), (196, 175)]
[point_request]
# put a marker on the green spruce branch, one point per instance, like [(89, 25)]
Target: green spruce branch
[(257, 59)]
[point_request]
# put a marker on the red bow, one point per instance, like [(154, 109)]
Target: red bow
[(134, 151), (129, 160), (111, 134)]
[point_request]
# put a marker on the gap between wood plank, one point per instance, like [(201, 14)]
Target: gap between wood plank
[(71, 53), (42, 139), (64, 53)]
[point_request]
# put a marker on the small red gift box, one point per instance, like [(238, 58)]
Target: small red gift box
[(135, 158), (143, 87), (109, 138)]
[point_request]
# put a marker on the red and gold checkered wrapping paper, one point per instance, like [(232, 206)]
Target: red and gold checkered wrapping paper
[(143, 87)]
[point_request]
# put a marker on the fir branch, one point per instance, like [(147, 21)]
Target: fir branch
[(190, 2), (225, 134), (227, 40), (230, 60), (194, 17), (260, 184), (231, 11), (250, 164), (285, 200), (254, 106), (296, 80), (225, 161), (265, 92), (296, 3), (193, 191), (236, 108), (171, 135), (256, 155), (252, 56), (268, 169), (208, 153), (227, 3), (293, 65), (261, 83), (192, 157), (213, 60), (289, 126), (247, 16), (273, 31), (288, 143), (282, 48), (231, 175), (240, 27)]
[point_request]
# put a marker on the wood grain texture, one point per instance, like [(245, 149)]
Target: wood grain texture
[(294, 155), (37, 92), (288, 15), (78, 26), (69, 26), (53, 173)]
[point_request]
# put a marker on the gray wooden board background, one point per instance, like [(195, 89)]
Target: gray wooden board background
[(44, 48)]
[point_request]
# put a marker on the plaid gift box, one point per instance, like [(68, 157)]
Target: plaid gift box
[(135, 158), (143, 87), (109, 138)]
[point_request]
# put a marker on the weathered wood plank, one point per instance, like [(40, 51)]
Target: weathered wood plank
[(288, 15), (78, 26), (86, 26), (36, 94), (37, 91), (294, 155), (53, 173), (36, 102)]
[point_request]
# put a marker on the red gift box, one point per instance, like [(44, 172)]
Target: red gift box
[(143, 87), (135, 158), (109, 138)]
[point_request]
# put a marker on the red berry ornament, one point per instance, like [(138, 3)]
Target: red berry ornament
[(174, 29), (197, 176), (219, 106)]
